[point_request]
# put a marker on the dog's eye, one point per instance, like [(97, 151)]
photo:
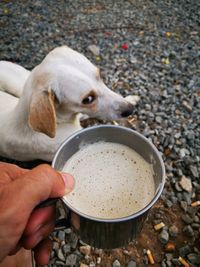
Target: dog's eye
[(88, 100)]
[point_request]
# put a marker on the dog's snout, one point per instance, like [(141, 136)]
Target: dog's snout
[(128, 111)]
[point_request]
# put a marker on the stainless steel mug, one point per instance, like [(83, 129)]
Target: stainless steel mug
[(110, 233)]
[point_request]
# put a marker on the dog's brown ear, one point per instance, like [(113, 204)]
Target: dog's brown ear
[(42, 115)]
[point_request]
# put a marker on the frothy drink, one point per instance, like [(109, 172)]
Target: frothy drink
[(112, 181)]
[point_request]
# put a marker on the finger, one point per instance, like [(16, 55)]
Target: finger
[(37, 185), (42, 252), (30, 241), (39, 218)]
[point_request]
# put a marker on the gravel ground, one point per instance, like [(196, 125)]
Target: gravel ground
[(146, 48)]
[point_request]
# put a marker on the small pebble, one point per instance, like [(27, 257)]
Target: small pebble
[(187, 219), (186, 184), (86, 250), (187, 106), (94, 49), (195, 226), (66, 249), (194, 171), (98, 260), (188, 231), (183, 251), (61, 235), (184, 205), (194, 258), (92, 264), (173, 231), (71, 260), (73, 240), (68, 231), (116, 263), (60, 255), (169, 256), (131, 264), (59, 263), (168, 203), (163, 237)]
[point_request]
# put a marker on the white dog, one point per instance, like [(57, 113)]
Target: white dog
[(51, 96)]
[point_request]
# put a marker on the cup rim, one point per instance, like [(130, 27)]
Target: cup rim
[(136, 214)]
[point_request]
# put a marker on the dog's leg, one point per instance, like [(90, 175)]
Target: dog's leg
[(12, 78)]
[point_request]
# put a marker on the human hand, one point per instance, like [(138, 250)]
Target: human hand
[(21, 190)]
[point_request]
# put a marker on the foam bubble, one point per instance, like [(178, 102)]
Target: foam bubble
[(112, 180)]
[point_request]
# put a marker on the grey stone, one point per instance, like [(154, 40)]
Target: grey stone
[(196, 219), (194, 258), (168, 203), (183, 152), (183, 251), (73, 240), (188, 231), (174, 199), (59, 263), (56, 245), (131, 264), (176, 262), (184, 205), (195, 226), (158, 119), (173, 231), (68, 231), (94, 49), (71, 260), (61, 235), (60, 255), (187, 219), (169, 256), (147, 107), (168, 263), (194, 171), (163, 237), (187, 197), (52, 254), (66, 249), (186, 184), (116, 263), (163, 263), (177, 187)]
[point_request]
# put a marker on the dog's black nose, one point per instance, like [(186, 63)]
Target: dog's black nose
[(127, 111)]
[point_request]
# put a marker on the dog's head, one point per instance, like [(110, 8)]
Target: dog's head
[(67, 83)]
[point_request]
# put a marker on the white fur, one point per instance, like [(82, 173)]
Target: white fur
[(12, 78), (69, 77)]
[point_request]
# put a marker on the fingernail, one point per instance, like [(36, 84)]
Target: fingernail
[(69, 181)]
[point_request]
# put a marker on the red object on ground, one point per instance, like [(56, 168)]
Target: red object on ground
[(125, 46)]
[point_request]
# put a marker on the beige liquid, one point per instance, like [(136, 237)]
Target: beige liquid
[(112, 181)]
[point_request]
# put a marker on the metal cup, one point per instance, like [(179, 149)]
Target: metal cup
[(110, 233)]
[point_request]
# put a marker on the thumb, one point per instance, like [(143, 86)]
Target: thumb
[(37, 185)]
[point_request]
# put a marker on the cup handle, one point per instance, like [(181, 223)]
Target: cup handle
[(59, 224), (47, 202)]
